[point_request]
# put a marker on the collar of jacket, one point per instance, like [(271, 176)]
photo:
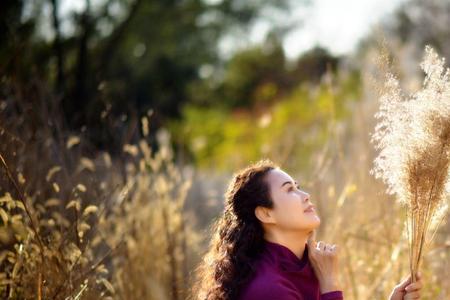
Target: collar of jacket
[(285, 258)]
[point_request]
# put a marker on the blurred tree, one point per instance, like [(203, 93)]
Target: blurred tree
[(119, 56), (404, 35), (413, 25), (312, 64), (255, 74), (15, 34), (256, 77), (423, 22)]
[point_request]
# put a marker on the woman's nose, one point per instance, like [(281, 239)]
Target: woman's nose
[(305, 197)]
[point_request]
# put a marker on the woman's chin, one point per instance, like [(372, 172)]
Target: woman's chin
[(315, 222), (312, 216)]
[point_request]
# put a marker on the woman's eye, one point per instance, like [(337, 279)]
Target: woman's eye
[(291, 188)]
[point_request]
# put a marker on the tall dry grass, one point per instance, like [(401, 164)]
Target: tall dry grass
[(81, 225)]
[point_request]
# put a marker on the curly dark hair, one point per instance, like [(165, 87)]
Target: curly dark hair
[(238, 236)]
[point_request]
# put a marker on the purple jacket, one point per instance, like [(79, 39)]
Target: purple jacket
[(281, 275)]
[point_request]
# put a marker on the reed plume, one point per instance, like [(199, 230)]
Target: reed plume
[(412, 137)]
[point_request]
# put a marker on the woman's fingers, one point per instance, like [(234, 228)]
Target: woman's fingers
[(412, 295), (408, 290), (322, 246), (404, 283), (414, 286), (331, 247)]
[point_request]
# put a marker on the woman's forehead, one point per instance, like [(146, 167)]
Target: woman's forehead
[(278, 176)]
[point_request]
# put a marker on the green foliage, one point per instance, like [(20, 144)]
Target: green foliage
[(259, 75), (255, 74), (287, 131)]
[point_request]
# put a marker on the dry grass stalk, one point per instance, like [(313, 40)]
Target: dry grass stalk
[(413, 139), (92, 228)]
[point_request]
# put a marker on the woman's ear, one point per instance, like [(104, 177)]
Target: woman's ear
[(264, 214)]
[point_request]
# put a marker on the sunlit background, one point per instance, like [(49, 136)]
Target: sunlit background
[(122, 121)]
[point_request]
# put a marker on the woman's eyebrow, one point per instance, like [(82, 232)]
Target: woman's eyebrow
[(288, 182)]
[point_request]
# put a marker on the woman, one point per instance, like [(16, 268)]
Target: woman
[(264, 245)]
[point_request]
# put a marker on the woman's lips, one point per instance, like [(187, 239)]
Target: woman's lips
[(310, 209)]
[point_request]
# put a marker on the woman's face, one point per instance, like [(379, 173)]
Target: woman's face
[(290, 211)]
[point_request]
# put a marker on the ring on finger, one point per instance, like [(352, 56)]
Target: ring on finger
[(318, 245)]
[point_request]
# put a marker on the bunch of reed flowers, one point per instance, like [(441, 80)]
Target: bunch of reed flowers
[(413, 140)]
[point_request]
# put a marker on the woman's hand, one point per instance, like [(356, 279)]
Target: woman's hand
[(406, 290), (324, 260)]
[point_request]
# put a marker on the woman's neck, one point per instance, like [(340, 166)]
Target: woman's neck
[(294, 241)]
